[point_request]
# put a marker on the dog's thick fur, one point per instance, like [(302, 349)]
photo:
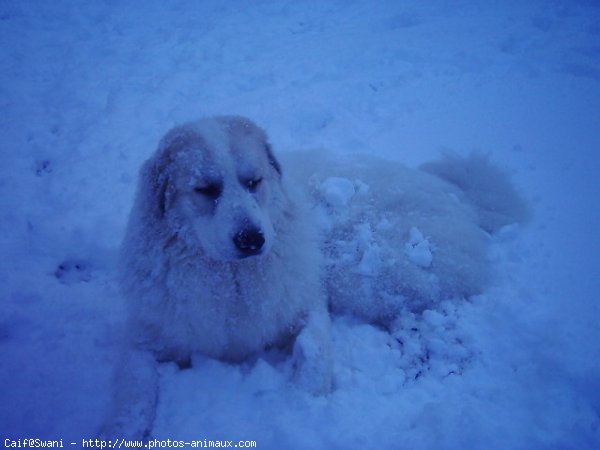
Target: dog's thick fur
[(218, 260)]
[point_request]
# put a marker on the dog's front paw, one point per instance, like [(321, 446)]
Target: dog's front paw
[(135, 397), (312, 363), (126, 425)]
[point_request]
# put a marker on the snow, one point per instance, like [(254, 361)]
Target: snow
[(418, 249), (88, 89), (337, 191)]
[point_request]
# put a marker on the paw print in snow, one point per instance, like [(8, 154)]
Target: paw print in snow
[(73, 271)]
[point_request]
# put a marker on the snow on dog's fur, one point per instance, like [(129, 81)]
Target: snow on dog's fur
[(218, 259), (396, 238)]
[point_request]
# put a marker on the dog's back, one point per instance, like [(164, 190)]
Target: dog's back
[(397, 238)]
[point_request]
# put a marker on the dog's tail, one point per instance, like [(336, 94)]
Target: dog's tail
[(485, 185)]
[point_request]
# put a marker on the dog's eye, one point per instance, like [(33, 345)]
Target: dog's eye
[(212, 190), (253, 184)]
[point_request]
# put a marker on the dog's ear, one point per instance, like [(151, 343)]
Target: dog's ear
[(272, 160), (155, 183)]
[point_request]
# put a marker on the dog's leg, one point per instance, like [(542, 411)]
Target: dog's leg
[(135, 397), (312, 354)]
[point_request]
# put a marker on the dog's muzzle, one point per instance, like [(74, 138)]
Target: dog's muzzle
[(249, 241)]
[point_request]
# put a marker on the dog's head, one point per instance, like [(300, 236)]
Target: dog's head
[(214, 183)]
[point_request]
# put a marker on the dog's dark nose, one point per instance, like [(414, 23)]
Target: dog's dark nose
[(249, 241)]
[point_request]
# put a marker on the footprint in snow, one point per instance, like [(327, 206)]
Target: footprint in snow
[(73, 271)]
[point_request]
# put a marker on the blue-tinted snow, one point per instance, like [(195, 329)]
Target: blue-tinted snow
[(88, 88)]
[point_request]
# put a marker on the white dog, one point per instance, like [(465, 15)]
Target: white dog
[(223, 259), (218, 259)]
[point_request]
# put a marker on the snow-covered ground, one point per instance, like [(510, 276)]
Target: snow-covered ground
[(88, 88)]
